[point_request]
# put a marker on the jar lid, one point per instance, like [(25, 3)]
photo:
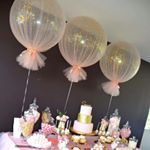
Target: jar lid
[(115, 114), (133, 139), (34, 106)]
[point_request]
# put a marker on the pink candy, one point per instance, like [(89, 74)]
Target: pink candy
[(125, 132), (47, 129)]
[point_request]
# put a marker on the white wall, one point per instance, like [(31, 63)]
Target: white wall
[(145, 144)]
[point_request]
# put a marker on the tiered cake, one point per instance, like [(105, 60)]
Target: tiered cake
[(83, 123)]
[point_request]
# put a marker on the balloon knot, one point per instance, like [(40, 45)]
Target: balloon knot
[(75, 68), (115, 82), (32, 52)]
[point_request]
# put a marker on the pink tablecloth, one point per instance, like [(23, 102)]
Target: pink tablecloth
[(8, 142)]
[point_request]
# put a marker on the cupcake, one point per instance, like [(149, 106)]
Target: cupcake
[(82, 140)]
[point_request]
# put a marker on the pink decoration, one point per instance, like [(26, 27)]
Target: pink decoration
[(119, 64), (47, 129), (31, 59), (82, 45), (38, 26), (111, 88), (125, 132), (75, 73)]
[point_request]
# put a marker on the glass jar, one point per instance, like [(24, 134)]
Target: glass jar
[(133, 143)]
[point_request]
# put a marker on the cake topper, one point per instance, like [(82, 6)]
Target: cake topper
[(85, 103)]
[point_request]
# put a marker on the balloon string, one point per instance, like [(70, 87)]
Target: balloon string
[(25, 92), (68, 95), (108, 109)]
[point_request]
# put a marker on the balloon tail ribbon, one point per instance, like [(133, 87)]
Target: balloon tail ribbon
[(25, 92), (68, 95), (108, 109)]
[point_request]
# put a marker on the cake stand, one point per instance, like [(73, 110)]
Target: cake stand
[(81, 133)]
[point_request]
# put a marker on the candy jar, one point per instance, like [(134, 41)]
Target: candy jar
[(68, 124), (114, 122), (103, 127), (62, 142), (27, 123), (34, 108), (47, 116), (27, 128), (132, 143), (62, 121), (47, 125), (125, 131)]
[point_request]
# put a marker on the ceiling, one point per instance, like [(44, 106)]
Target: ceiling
[(125, 20)]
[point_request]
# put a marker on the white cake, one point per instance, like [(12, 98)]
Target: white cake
[(86, 110), (83, 123)]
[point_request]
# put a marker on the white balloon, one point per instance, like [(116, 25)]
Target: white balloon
[(38, 25)]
